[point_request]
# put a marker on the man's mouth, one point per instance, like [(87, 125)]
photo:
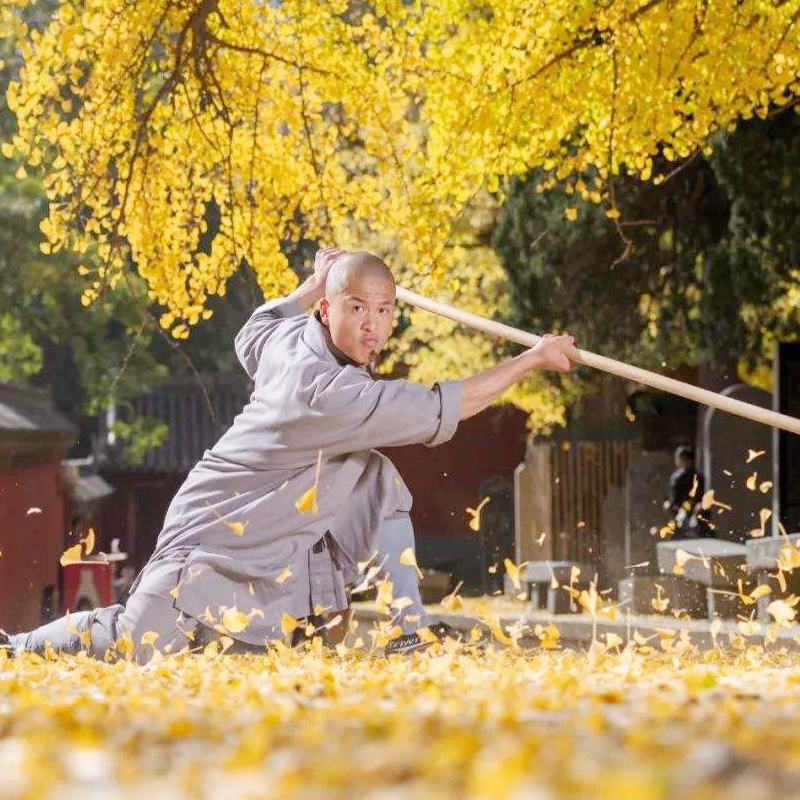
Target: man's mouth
[(370, 342)]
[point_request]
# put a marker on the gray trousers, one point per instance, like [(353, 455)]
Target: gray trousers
[(147, 611)]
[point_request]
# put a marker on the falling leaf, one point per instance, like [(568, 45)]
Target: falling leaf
[(308, 502), (749, 627), (234, 620), (764, 487), (149, 637), (250, 589), (788, 558), (175, 590), (571, 213), (34, 510), (284, 575), (681, 557), (475, 522), (211, 649), (541, 538), (548, 636), (385, 595), (226, 643), (764, 514), (613, 640), (750, 483), (362, 565), (553, 581), (88, 541), (659, 603), (452, 602), (753, 454), (237, 528), (492, 569), (401, 602), (72, 555), (408, 559), (781, 611), (512, 570), (288, 624)]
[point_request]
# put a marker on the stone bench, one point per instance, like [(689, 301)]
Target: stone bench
[(762, 563), (535, 578), (715, 564), (636, 593)]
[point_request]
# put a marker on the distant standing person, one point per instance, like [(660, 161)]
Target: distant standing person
[(686, 488)]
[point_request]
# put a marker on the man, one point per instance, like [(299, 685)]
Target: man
[(234, 541), (686, 487)]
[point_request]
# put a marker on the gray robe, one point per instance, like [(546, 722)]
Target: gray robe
[(308, 396)]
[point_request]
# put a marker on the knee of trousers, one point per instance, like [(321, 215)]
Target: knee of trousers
[(102, 626)]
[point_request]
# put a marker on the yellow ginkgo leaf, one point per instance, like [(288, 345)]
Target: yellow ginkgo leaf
[(512, 570), (408, 559), (750, 483), (175, 590), (234, 620), (781, 611), (288, 624), (72, 555), (89, 540), (452, 601), (788, 558), (284, 575), (475, 513), (149, 637), (226, 642), (753, 454), (7, 149), (308, 502), (548, 636), (211, 649), (571, 213), (764, 486), (237, 527)]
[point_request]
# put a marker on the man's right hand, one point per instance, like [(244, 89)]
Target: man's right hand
[(323, 261), (553, 351)]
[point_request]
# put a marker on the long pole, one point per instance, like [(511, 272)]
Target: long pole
[(618, 368)]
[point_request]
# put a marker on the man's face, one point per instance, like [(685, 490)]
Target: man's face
[(360, 319)]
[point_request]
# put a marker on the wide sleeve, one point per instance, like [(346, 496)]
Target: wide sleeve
[(361, 413), (264, 321)]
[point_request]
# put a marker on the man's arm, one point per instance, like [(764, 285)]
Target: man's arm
[(250, 341), (550, 353)]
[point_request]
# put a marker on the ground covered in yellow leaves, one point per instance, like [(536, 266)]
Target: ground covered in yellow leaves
[(451, 722)]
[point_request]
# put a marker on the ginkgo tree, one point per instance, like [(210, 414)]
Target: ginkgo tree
[(353, 123)]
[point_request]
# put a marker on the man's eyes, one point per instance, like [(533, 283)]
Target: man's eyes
[(382, 310)]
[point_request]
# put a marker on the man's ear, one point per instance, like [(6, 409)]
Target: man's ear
[(323, 311)]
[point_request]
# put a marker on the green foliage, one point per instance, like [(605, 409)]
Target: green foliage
[(700, 269), (138, 435)]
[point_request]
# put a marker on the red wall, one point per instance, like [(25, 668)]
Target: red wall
[(32, 544), (444, 480)]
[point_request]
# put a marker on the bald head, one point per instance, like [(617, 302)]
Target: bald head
[(358, 305), (358, 266)]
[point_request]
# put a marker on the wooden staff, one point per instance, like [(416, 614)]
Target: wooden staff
[(619, 368)]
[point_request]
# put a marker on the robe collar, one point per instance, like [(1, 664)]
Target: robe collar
[(318, 338)]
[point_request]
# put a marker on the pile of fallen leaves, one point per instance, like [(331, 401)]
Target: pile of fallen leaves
[(454, 721)]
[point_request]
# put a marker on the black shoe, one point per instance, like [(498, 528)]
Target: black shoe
[(408, 643), (442, 631), (5, 643)]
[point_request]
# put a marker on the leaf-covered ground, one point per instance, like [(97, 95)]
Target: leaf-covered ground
[(452, 722)]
